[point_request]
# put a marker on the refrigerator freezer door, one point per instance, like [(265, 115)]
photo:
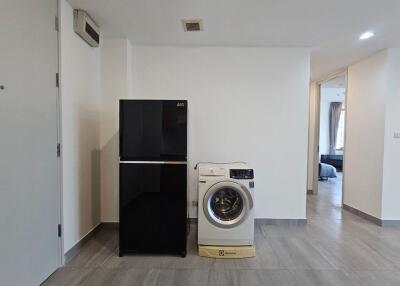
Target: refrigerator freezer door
[(153, 130)]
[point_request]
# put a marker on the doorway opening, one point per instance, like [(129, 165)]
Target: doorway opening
[(329, 140)]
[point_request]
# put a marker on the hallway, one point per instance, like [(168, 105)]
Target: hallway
[(328, 202), (335, 247)]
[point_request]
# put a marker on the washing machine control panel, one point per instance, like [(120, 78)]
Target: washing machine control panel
[(241, 174)]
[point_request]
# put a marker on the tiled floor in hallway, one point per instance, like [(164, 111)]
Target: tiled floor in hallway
[(335, 247)]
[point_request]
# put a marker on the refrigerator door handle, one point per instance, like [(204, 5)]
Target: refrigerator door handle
[(155, 162)]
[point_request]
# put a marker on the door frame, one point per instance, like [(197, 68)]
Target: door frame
[(317, 111), (59, 133)]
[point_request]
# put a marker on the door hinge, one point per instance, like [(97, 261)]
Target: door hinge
[(58, 150), (57, 80), (59, 230), (56, 23)]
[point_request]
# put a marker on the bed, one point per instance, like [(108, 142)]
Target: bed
[(334, 160), (326, 171)]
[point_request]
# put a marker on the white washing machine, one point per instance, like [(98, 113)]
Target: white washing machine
[(225, 205)]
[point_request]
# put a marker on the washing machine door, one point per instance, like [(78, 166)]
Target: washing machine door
[(227, 204)]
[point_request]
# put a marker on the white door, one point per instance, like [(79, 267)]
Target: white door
[(29, 190)]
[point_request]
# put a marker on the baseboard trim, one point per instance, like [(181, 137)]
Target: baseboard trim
[(266, 221), (390, 223), (273, 221), (110, 225), (192, 220), (78, 246), (363, 215)]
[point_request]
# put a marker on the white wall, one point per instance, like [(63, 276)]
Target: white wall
[(328, 95), (372, 152), (365, 130), (116, 83), (391, 182), (80, 93), (247, 104)]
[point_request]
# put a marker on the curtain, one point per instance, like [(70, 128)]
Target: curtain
[(334, 117)]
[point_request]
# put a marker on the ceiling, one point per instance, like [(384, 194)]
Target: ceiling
[(330, 28)]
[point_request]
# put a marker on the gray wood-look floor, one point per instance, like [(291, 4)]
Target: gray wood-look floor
[(334, 248)]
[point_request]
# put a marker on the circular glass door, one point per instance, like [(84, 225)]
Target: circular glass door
[(226, 204)]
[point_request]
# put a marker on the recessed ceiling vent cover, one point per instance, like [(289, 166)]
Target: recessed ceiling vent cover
[(194, 25)]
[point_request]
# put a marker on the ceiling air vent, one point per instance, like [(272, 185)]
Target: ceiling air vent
[(194, 25)]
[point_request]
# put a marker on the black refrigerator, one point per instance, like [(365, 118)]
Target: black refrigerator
[(153, 177)]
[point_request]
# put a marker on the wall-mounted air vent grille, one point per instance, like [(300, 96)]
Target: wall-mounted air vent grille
[(194, 25), (86, 28)]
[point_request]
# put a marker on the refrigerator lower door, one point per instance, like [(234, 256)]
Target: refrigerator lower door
[(153, 208)]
